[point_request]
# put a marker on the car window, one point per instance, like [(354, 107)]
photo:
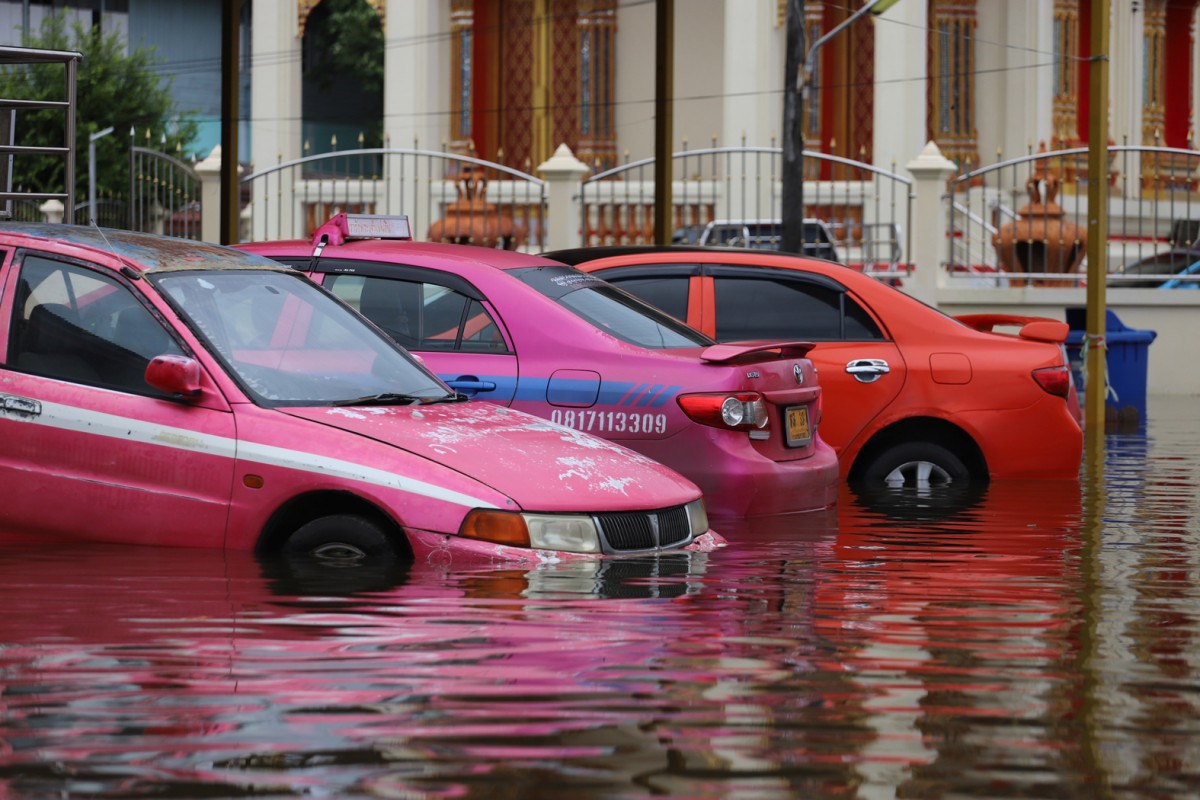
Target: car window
[(670, 292), (610, 309), (288, 342), (76, 324), (421, 315), (761, 308)]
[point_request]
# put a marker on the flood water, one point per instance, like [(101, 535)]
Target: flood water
[(1034, 641)]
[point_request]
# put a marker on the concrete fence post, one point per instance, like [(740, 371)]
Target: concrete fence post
[(930, 171), (562, 173), (52, 210), (209, 171)]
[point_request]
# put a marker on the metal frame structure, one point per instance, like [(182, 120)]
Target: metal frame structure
[(16, 57)]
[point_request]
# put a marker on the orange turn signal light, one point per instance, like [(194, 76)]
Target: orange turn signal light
[(499, 527)]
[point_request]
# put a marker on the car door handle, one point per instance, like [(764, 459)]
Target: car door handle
[(22, 406), (469, 385), (867, 370)]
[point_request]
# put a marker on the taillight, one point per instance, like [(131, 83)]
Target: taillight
[(1054, 380), (744, 411)]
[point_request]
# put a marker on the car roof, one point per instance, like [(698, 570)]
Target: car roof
[(579, 255), (145, 252), (410, 252)]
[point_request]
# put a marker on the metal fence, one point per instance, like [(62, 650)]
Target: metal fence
[(110, 212), (1020, 221), (446, 196), (1024, 221), (867, 209), (164, 194)]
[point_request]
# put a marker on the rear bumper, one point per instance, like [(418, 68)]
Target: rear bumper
[(738, 481)]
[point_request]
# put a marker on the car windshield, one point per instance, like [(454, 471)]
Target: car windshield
[(288, 342), (610, 309)]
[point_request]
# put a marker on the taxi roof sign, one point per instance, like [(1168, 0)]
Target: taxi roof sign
[(377, 226)]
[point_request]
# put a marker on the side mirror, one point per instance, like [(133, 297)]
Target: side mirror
[(174, 375)]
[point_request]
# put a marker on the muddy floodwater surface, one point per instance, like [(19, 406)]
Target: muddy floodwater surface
[(1028, 640)]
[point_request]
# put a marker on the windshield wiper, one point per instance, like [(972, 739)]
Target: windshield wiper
[(381, 399), (397, 399), (453, 397)]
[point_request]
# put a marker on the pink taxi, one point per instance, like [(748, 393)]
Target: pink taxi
[(167, 392), (741, 419)]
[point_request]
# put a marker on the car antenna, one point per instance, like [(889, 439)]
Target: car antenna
[(126, 270)]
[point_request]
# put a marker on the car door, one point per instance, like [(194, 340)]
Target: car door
[(89, 449), (859, 368), (440, 317)]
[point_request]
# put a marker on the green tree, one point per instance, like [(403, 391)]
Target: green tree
[(343, 73), (113, 87), (348, 41)]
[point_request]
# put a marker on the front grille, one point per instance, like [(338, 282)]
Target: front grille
[(627, 531)]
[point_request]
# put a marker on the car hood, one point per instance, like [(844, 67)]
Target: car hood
[(539, 465)]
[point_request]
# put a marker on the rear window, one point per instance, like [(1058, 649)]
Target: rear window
[(610, 309), (761, 308), (668, 292)]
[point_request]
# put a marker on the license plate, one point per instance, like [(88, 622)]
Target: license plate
[(798, 431)]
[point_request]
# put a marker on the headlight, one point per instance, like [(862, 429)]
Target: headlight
[(571, 533), (697, 517)]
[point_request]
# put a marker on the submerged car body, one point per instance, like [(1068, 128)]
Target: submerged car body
[(169, 392), (912, 395), (740, 420)]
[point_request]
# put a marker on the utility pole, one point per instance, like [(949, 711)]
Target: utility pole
[(1095, 360), (791, 175), (792, 213), (231, 17), (92, 137), (664, 78)]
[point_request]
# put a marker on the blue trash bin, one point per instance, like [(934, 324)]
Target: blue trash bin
[(1127, 358)]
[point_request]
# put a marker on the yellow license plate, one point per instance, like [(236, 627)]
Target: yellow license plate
[(798, 431)]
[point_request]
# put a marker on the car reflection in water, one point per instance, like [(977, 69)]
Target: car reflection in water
[(143, 667), (815, 653)]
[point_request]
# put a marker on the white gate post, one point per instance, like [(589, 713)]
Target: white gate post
[(209, 172), (52, 210), (562, 173), (930, 171)]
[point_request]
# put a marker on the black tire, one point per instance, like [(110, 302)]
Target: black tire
[(915, 465), (342, 540)]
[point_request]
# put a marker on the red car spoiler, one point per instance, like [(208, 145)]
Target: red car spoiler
[(738, 351), (1039, 329)]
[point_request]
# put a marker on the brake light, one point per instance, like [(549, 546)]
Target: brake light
[(1054, 380), (743, 411)]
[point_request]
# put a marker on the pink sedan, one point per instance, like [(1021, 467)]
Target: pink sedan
[(740, 419), (168, 392)]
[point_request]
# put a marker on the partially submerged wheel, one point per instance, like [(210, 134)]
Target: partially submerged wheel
[(343, 540), (916, 465)]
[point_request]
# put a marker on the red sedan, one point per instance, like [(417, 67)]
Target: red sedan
[(912, 396)]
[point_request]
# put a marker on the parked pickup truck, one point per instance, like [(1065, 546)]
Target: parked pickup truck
[(760, 234)]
